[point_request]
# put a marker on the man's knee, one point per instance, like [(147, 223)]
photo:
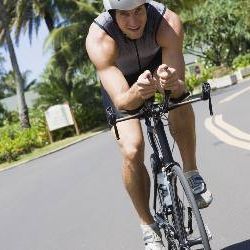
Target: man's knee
[(132, 142), (133, 153)]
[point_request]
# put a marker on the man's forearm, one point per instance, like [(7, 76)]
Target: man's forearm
[(129, 100)]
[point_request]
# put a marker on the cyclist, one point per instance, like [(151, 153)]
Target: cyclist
[(136, 47)]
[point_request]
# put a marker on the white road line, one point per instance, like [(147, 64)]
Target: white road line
[(231, 129), (231, 97), (221, 135)]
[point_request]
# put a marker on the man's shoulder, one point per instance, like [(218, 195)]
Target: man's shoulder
[(96, 32), (170, 28), (100, 46), (172, 19)]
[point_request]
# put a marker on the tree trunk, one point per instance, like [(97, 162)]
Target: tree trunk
[(22, 107)]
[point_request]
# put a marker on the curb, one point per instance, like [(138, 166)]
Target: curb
[(220, 84)]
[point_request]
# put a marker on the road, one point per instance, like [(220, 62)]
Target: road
[(74, 199)]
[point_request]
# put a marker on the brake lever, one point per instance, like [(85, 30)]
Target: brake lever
[(116, 132), (206, 90), (112, 121)]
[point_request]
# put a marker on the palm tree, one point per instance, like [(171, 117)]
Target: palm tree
[(29, 15), (1, 65), (8, 83), (67, 41), (4, 27), (71, 27), (68, 38)]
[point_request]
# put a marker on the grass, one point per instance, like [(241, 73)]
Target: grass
[(50, 148)]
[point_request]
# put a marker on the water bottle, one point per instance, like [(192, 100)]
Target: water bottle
[(163, 184)]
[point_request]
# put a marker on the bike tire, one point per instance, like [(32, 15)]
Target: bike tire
[(179, 209)]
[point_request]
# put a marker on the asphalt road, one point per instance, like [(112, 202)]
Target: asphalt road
[(74, 199)]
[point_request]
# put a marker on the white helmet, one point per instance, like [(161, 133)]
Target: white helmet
[(123, 4)]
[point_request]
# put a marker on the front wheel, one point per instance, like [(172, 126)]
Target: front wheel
[(189, 226)]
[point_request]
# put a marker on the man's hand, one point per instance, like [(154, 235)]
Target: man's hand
[(145, 85), (168, 79)]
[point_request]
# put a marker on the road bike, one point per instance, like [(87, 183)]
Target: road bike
[(175, 208)]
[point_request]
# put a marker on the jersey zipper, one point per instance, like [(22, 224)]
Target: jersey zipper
[(138, 56)]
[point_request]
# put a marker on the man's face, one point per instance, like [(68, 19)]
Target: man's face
[(132, 22)]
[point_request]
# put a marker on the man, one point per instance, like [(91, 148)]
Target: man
[(136, 47)]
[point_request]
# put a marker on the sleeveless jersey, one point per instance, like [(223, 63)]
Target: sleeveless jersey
[(135, 56)]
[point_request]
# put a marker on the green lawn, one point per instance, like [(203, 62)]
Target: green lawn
[(50, 148)]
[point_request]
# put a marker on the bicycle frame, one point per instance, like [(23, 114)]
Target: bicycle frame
[(164, 164), (158, 129)]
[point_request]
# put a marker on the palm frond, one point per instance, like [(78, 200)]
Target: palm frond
[(86, 7), (2, 36), (23, 19), (37, 23), (30, 84), (61, 35)]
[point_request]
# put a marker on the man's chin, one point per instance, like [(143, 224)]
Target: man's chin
[(134, 36)]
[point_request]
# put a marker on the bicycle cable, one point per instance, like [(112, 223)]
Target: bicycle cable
[(165, 118)]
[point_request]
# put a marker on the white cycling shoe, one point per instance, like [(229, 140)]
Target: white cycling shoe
[(202, 195), (152, 237)]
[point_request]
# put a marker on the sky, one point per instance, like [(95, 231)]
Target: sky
[(30, 56)]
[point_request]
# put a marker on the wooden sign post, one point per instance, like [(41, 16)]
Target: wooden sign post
[(59, 116)]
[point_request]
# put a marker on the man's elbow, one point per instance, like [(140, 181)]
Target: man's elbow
[(123, 104), (119, 103)]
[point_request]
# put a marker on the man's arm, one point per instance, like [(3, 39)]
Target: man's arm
[(170, 38), (102, 51)]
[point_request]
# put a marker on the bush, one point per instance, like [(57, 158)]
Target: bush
[(15, 141), (241, 61), (193, 80), (88, 117), (10, 117), (220, 27), (2, 114), (81, 91), (221, 71)]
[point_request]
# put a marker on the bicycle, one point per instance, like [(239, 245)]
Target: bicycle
[(176, 210)]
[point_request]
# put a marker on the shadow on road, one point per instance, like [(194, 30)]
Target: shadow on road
[(245, 245)]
